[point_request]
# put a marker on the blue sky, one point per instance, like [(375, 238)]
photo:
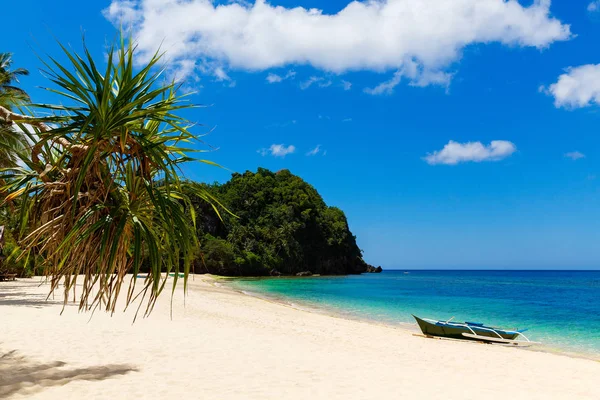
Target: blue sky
[(391, 84)]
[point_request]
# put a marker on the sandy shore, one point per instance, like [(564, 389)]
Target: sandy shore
[(226, 345)]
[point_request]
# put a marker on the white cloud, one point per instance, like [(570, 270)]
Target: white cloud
[(124, 12), (320, 81), (274, 78), (578, 87), (308, 83), (386, 87), (574, 155), (347, 120), (278, 150), (426, 78), (314, 151), (594, 6), (454, 152), (416, 74), (221, 75), (346, 85), (369, 35), (185, 69)]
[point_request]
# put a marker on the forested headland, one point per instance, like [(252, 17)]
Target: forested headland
[(281, 225)]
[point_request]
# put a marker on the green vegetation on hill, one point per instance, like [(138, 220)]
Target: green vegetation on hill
[(281, 225)]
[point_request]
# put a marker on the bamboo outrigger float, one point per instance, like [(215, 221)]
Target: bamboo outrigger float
[(472, 331)]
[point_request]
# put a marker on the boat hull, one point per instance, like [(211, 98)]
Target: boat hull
[(455, 331)]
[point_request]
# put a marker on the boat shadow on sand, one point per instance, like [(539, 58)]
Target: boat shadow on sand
[(21, 375)]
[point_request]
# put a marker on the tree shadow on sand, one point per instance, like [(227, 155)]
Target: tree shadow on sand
[(18, 374), (15, 296), (20, 295)]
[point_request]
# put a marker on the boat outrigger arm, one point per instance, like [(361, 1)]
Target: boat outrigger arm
[(486, 334)]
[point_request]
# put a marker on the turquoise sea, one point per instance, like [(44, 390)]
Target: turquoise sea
[(560, 308)]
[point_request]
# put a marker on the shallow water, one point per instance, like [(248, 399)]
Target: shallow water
[(560, 308)]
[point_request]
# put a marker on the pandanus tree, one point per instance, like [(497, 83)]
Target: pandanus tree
[(101, 194)]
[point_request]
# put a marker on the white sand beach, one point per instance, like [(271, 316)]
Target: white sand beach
[(227, 345)]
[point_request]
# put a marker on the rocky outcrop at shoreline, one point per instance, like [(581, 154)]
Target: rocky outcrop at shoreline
[(373, 269)]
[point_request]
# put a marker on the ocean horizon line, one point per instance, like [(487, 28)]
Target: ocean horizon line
[(494, 269)]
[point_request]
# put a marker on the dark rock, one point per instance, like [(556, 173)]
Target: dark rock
[(373, 269), (304, 273), (274, 272)]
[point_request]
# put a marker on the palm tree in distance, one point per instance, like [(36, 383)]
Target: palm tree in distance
[(11, 97)]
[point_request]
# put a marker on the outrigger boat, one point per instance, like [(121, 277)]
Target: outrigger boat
[(472, 331)]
